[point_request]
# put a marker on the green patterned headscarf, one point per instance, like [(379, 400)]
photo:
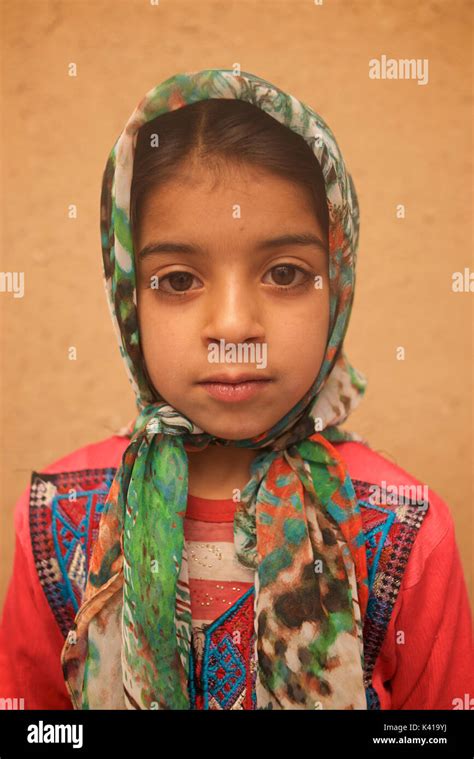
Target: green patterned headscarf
[(297, 524)]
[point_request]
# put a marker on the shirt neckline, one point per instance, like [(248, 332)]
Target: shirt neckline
[(210, 509)]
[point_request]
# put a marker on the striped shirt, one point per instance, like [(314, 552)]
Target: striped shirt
[(216, 578)]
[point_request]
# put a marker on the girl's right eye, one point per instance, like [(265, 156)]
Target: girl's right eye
[(176, 283)]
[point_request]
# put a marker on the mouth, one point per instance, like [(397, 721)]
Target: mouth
[(231, 389)]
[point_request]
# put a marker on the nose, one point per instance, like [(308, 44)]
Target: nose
[(233, 313)]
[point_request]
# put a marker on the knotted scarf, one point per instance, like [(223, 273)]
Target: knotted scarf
[(297, 524)]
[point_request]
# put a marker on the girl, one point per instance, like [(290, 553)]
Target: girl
[(234, 547)]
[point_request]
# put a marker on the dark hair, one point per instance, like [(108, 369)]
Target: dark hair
[(222, 130)]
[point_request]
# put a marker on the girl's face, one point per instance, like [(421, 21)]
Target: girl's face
[(239, 274)]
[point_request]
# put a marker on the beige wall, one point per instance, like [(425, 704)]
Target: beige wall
[(403, 142)]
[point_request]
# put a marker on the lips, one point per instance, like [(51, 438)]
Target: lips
[(234, 379), (235, 388)]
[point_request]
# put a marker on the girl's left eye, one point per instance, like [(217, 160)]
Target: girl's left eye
[(284, 274)]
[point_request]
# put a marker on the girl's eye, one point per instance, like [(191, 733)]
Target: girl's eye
[(176, 283), (284, 276)]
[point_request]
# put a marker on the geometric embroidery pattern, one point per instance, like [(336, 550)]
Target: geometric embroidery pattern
[(64, 515), (222, 664), (391, 524)]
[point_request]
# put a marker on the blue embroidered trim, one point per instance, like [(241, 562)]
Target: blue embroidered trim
[(214, 659), (380, 531), (78, 534)]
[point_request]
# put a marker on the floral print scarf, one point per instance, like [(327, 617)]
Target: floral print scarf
[(297, 524)]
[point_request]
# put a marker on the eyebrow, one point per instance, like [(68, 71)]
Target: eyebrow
[(282, 241)]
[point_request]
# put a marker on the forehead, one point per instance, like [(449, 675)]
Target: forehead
[(205, 200)]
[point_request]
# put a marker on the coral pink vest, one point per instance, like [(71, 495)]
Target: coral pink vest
[(417, 632)]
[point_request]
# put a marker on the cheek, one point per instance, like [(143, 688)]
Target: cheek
[(303, 331), (166, 342), (300, 343), (154, 330), (305, 354)]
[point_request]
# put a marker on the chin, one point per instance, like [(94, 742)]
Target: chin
[(234, 432)]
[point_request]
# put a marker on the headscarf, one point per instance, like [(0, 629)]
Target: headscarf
[(297, 524)]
